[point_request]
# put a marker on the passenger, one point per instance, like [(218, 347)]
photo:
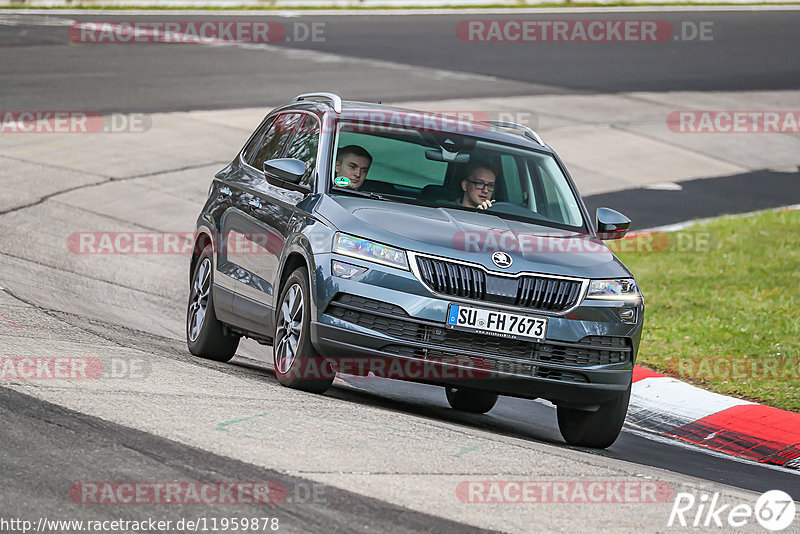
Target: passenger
[(478, 186), (353, 162)]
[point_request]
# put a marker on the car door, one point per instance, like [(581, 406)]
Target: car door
[(259, 229), (226, 200)]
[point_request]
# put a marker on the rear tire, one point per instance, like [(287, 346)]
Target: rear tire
[(205, 335), (296, 362), (598, 429), (470, 400)]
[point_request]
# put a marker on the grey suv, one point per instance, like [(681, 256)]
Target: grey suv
[(369, 240)]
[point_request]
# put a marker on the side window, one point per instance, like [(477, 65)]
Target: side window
[(511, 176), (274, 141), (252, 147), (304, 146), (554, 197)]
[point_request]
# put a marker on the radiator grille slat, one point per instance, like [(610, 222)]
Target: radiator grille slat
[(537, 292)]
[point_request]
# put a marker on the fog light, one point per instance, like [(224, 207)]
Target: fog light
[(346, 270), (628, 315)]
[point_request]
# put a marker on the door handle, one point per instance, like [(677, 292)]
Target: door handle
[(225, 191), (254, 202)]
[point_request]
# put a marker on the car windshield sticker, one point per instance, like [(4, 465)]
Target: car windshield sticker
[(341, 181)]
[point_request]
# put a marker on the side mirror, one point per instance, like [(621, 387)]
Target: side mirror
[(286, 173), (611, 224)]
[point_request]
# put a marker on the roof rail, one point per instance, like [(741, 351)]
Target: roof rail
[(513, 125), (334, 99)]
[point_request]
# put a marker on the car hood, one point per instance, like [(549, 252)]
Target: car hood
[(473, 236)]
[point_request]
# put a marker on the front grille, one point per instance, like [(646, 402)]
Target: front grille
[(453, 278), (547, 293), (394, 321), (535, 292)]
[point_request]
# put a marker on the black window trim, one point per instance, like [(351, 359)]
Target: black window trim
[(274, 117), (257, 133), (312, 179)]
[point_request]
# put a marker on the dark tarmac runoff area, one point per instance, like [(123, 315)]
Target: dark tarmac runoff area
[(369, 455)]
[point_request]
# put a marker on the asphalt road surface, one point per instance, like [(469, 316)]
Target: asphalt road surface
[(702, 198), (45, 448), (368, 57)]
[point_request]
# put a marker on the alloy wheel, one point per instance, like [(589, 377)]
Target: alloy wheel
[(289, 329), (199, 301)]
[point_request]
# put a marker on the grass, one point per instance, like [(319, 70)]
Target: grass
[(723, 306)]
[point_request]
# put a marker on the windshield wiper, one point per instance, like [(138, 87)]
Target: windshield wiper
[(365, 194)]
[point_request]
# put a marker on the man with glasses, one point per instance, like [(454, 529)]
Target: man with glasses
[(478, 186)]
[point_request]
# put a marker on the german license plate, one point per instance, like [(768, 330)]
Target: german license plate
[(496, 323)]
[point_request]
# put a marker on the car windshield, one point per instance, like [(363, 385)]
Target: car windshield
[(446, 170)]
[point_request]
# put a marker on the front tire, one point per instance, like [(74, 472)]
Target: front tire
[(470, 400), (598, 429), (205, 335), (296, 363)]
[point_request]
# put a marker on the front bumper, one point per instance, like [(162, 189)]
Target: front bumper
[(387, 322)]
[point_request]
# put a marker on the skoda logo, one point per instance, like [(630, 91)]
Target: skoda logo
[(502, 260)]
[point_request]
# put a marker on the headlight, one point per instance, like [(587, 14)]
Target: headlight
[(364, 249), (621, 289)]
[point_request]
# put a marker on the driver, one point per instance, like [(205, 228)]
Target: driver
[(478, 186), (353, 162)]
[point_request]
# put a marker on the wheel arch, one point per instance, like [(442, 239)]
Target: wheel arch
[(294, 260), (202, 240), (298, 254)]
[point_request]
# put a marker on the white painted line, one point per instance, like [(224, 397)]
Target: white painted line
[(29, 19), (665, 186), (664, 403), (789, 168)]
